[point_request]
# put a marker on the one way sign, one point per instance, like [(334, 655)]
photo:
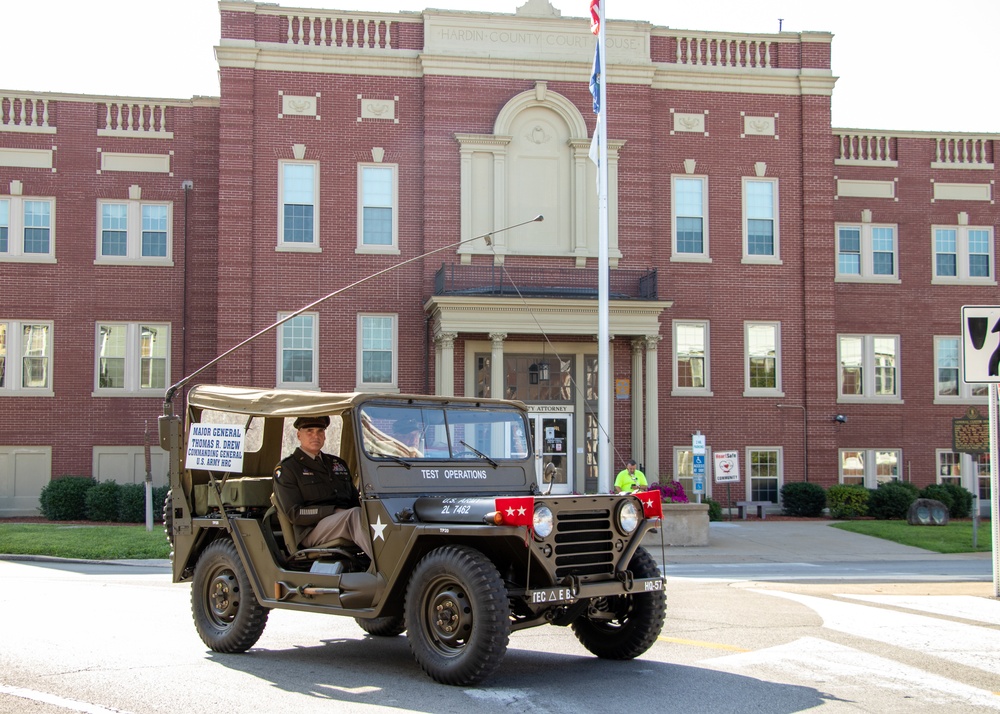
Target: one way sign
[(980, 344)]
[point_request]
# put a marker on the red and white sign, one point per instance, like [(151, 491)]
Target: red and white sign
[(727, 466)]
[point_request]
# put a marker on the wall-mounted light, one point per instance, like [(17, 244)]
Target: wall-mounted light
[(840, 419), (533, 374), (543, 371)]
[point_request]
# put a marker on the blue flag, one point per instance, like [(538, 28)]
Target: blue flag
[(595, 79)]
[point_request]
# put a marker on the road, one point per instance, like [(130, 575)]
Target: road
[(112, 638)]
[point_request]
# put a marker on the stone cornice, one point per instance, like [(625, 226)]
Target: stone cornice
[(553, 316)]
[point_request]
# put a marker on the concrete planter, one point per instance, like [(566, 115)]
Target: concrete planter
[(685, 524)]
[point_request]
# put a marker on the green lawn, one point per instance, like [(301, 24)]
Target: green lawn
[(956, 537), (84, 542)]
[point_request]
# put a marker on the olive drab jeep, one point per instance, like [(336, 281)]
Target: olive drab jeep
[(466, 548)]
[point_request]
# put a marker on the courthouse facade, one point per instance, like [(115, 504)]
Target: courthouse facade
[(790, 290)]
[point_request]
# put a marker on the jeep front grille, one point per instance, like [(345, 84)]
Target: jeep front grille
[(584, 543)]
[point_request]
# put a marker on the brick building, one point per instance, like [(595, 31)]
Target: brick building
[(789, 289)]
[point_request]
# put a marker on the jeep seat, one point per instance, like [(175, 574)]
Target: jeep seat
[(338, 548)]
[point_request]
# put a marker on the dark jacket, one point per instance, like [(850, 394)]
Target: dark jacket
[(308, 490)]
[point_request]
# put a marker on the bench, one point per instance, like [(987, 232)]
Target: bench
[(743, 507)]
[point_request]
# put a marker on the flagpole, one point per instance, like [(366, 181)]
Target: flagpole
[(603, 338)]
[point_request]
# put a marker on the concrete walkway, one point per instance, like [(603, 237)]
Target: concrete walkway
[(795, 542)]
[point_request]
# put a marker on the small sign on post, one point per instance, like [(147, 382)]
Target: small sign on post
[(698, 464), (727, 471)]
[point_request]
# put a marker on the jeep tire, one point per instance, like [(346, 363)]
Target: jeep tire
[(387, 626), (624, 626), (457, 615), (226, 612)]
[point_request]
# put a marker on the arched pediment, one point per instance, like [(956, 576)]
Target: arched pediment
[(541, 97)]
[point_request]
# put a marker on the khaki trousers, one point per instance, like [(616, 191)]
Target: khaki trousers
[(344, 523)]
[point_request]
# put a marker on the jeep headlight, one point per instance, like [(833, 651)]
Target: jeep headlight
[(542, 521), (627, 516)]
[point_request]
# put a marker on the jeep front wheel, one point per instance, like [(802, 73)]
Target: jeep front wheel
[(457, 615), (226, 612), (624, 626)]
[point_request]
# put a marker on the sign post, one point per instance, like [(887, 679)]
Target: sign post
[(698, 465), (727, 471), (981, 365)]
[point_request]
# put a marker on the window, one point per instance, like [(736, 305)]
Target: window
[(132, 358), (869, 367), (690, 209), (762, 359), (963, 254), (869, 467), (376, 362), (948, 385), (691, 358), (981, 470), (298, 198), (25, 358), (134, 231), (867, 252), (949, 467), (377, 199), (765, 473), (298, 365), (760, 227), (26, 229)]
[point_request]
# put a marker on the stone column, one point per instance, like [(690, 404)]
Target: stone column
[(652, 409), (638, 442), (496, 365), (444, 348)]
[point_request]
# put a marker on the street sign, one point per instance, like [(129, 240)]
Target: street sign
[(980, 344), (727, 466)]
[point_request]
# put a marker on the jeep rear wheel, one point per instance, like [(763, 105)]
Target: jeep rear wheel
[(457, 615), (624, 626), (388, 626), (226, 612)]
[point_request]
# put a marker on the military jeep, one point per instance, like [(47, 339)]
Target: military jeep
[(466, 546)]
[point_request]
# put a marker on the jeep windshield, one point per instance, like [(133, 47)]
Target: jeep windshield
[(427, 432)]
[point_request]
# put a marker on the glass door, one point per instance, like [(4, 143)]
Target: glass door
[(552, 436)]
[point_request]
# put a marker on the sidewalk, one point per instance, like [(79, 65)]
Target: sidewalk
[(792, 542)]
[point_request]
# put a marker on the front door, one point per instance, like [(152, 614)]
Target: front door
[(552, 436)]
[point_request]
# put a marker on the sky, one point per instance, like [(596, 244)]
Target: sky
[(902, 67)]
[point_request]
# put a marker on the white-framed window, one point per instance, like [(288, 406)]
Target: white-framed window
[(132, 358), (760, 221), (298, 205), (690, 218), (377, 358), (27, 229), (963, 254), (868, 368), (691, 359), (948, 383), (378, 199), (949, 467), (867, 252), (762, 359), (684, 470), (135, 232), (765, 467), (298, 345), (869, 467), (981, 472), (26, 358), (952, 465)]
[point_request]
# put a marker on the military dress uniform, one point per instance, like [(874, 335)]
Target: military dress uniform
[(319, 498)]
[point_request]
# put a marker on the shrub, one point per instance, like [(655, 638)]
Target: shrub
[(955, 497), (803, 499), (939, 492), (132, 503), (714, 509), (102, 501), (847, 501), (64, 499), (891, 500)]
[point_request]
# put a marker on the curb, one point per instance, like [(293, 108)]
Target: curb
[(53, 559)]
